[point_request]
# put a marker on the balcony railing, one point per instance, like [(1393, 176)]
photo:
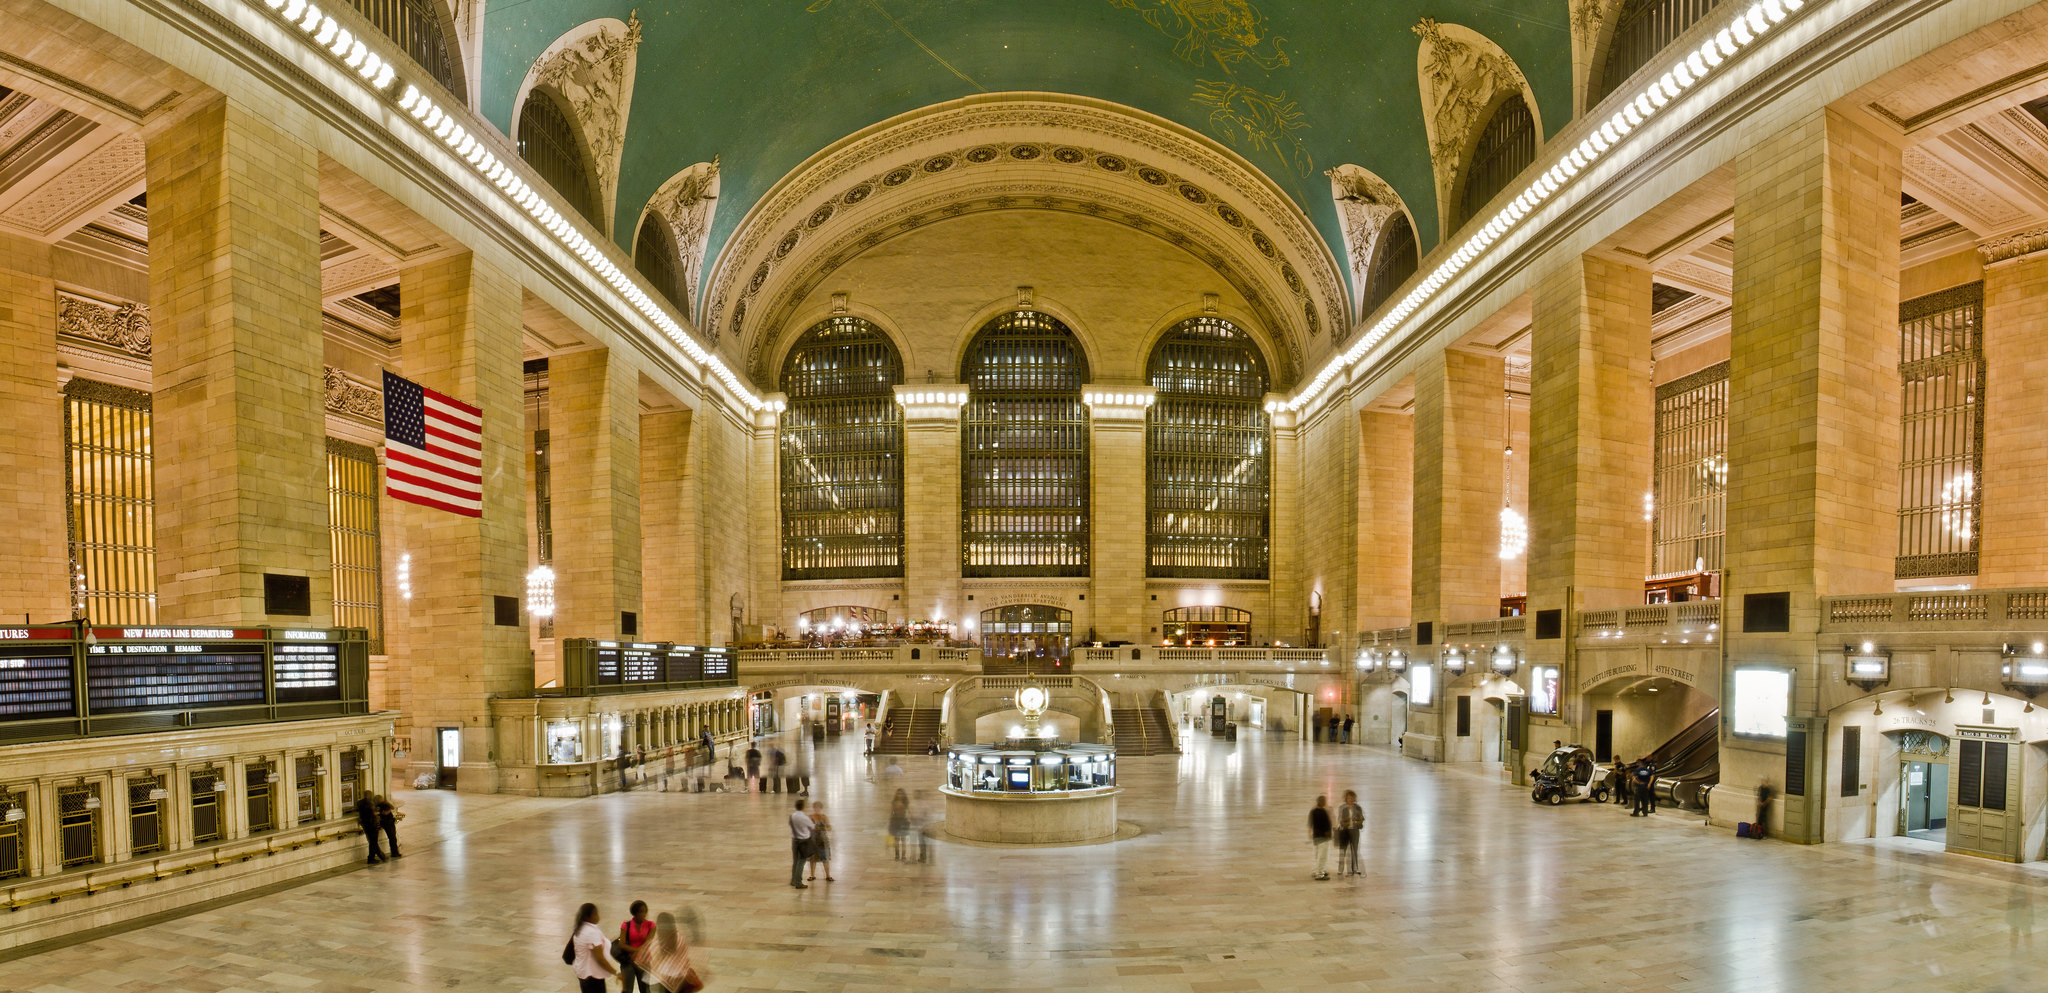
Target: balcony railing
[(1688, 622), (894, 657), (1964, 610)]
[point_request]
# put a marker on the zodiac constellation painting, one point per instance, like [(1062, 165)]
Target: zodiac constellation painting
[(1232, 33)]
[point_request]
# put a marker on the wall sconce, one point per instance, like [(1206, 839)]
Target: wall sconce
[(92, 803), (1454, 661), (1867, 666), (1505, 661), (1397, 662), (2025, 669), (1368, 661)]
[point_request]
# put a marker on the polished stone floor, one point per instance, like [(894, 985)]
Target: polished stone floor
[(1468, 887)]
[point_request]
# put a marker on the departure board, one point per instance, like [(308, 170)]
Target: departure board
[(306, 672), (136, 676), (35, 682), (643, 663)]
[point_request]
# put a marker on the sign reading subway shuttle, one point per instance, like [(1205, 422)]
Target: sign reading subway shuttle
[(61, 679)]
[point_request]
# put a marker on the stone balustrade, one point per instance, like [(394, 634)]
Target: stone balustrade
[(1961, 610), (1690, 622)]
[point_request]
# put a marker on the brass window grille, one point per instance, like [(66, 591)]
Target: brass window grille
[(351, 779), (1205, 626), (78, 825), (110, 501), (1027, 632), (262, 797), (1689, 502), (13, 835), (1642, 29), (842, 454), (1024, 450), (1392, 262), (1506, 146), (548, 143), (145, 815), (1941, 461), (206, 805), (655, 256), (1208, 455), (415, 26), (352, 536)]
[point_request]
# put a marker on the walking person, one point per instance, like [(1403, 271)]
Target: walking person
[(753, 765), (821, 844), (1349, 723), (1764, 793), (800, 830), (1350, 821), (1319, 835), (665, 960), (585, 953), (634, 933), (1622, 772), (899, 823), (1316, 730), (366, 818), (387, 821)]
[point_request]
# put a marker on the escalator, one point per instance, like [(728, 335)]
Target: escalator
[(1689, 764)]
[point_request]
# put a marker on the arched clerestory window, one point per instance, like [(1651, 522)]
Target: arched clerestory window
[(1643, 28), (842, 454), (1505, 147), (1208, 454), (1024, 450), (548, 143), (655, 256), (415, 26), (1393, 261)]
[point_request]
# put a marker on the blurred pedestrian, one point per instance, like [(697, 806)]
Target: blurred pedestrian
[(821, 844), (800, 830), (634, 933), (585, 952), (665, 960), (1349, 723), (753, 764), (899, 823), (1764, 793), (920, 823), (1350, 821), (387, 821), (1319, 835), (366, 818), (777, 762)]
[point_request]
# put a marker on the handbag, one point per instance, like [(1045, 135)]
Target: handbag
[(569, 952), (620, 953), (691, 982)]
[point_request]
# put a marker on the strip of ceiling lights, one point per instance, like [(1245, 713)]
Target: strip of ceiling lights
[(1746, 29), (378, 73)]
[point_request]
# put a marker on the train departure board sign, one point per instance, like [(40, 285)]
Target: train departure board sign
[(717, 663), (307, 666), (35, 673), (627, 663), (140, 669)]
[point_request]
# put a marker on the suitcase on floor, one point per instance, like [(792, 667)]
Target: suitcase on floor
[(1745, 829)]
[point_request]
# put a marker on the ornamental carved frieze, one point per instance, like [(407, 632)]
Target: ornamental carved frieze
[(591, 67), (686, 203), (124, 326), (351, 397), (1364, 203), (1463, 76)]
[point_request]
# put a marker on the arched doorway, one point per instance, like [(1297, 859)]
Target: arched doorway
[(1029, 634)]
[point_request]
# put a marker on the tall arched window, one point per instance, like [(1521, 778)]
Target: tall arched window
[(547, 141), (1024, 450), (1506, 146), (1641, 30), (415, 25), (1392, 262), (1208, 454), (842, 454), (654, 254)]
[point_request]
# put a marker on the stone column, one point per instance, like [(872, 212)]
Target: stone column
[(931, 503), (1591, 408), (1813, 400), (669, 565), (594, 491), (1460, 425), (460, 318), (2012, 539), (36, 581), (239, 430), (764, 504), (1313, 540), (1386, 518), (1117, 552)]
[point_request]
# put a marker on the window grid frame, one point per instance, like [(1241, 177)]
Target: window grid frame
[(1505, 147), (840, 454), (1942, 372), (110, 495), (1642, 30), (1208, 456), (415, 27), (353, 528), (1689, 474), (1024, 373), (548, 142)]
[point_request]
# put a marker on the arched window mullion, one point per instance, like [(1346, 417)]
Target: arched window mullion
[(1024, 451), (842, 454), (1208, 455), (1642, 29), (1506, 146), (548, 142), (655, 256)]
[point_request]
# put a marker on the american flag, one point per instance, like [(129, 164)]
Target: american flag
[(433, 448)]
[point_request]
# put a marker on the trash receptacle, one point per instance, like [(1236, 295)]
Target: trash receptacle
[(1230, 731)]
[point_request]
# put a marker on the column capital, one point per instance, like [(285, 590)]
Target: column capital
[(1118, 403), (932, 402)]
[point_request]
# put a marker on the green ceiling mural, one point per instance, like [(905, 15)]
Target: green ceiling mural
[(1295, 86)]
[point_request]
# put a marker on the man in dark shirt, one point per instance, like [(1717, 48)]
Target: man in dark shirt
[(366, 818), (1644, 788), (1319, 835)]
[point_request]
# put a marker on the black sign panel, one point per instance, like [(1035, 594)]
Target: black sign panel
[(136, 676), (717, 663), (35, 682), (306, 672)]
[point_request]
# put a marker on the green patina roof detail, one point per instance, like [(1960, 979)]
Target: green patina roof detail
[(1295, 87)]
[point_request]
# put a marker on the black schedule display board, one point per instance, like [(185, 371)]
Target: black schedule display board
[(306, 672), (645, 664), (717, 664), (137, 676), (35, 682)]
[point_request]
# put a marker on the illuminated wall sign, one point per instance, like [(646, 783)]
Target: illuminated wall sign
[(1762, 696), (1421, 685), (128, 678), (1543, 689), (35, 682), (306, 672)]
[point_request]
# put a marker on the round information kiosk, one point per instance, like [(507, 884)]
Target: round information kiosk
[(1031, 790)]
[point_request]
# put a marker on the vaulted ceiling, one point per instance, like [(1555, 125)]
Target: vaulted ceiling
[(1296, 87)]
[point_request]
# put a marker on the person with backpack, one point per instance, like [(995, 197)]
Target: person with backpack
[(585, 952), (1319, 835)]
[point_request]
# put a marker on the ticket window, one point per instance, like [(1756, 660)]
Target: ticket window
[(78, 825), (564, 742), (310, 806), (146, 798), (13, 835), (261, 781), (1017, 776), (990, 776), (208, 789), (353, 773)]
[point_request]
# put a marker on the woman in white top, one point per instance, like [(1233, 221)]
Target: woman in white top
[(586, 952)]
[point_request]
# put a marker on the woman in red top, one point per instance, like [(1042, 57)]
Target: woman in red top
[(633, 935)]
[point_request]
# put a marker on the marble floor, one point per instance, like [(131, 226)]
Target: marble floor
[(1468, 887)]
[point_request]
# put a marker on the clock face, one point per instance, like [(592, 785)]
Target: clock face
[(1031, 698)]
